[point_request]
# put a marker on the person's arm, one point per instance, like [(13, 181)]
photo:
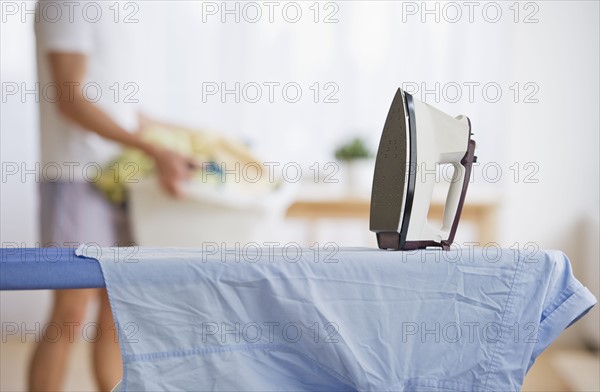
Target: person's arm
[(69, 69)]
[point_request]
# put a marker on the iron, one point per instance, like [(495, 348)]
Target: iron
[(416, 138)]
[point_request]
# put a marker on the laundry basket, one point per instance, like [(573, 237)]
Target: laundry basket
[(209, 214)]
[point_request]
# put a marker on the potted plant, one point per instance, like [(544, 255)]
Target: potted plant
[(357, 165)]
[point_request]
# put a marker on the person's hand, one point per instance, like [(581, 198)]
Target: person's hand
[(173, 169)]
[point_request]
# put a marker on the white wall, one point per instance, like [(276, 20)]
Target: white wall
[(560, 135), (19, 144)]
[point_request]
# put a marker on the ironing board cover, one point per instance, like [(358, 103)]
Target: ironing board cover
[(349, 319)]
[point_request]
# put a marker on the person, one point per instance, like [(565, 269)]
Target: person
[(82, 56)]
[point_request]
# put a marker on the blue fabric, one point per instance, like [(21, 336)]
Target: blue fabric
[(47, 269), (364, 320)]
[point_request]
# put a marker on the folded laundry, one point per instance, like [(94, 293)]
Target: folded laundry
[(364, 319), (214, 153)]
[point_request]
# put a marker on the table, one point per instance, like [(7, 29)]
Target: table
[(482, 214)]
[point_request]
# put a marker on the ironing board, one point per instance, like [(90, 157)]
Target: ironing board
[(375, 299), (47, 269)]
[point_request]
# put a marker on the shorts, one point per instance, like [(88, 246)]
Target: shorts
[(74, 213)]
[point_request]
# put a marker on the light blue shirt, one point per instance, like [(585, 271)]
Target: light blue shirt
[(340, 319)]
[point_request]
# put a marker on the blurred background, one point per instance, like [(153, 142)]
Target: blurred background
[(299, 87)]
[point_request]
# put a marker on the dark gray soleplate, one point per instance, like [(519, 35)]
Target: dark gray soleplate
[(387, 196)]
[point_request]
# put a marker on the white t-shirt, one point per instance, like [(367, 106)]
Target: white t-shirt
[(89, 28)]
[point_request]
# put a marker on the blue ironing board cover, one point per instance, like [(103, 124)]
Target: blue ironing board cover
[(355, 319), (364, 319), (47, 269)]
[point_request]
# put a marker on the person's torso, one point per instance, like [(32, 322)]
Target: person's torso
[(109, 82)]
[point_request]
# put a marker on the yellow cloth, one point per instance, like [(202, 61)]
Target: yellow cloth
[(206, 147)]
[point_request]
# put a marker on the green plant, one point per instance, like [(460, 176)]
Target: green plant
[(354, 149)]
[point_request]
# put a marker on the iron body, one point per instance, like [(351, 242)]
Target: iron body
[(416, 139)]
